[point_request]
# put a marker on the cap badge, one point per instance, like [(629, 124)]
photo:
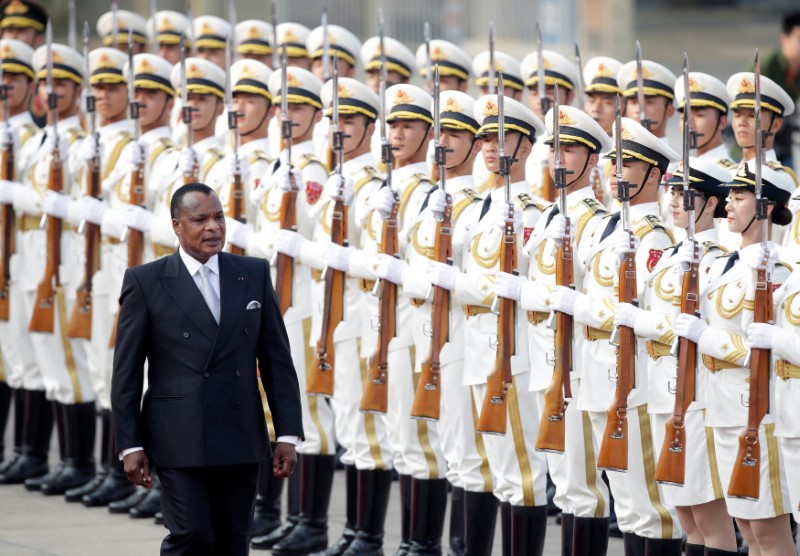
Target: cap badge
[(166, 24), (144, 66), (344, 92), (746, 86), (490, 108), (16, 7), (292, 81), (695, 86), (646, 73), (564, 119), (626, 134), (603, 71), (438, 54), (246, 72), (452, 105), (193, 72), (402, 97), (253, 32)]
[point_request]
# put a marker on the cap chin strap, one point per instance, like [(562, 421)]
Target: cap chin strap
[(716, 127), (264, 117), (466, 156), (583, 171), (361, 142), (646, 176), (699, 214), (424, 138), (771, 121)]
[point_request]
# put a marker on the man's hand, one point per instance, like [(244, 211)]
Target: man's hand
[(137, 468), (283, 460)]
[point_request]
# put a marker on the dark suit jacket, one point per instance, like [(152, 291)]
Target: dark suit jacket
[(202, 406)]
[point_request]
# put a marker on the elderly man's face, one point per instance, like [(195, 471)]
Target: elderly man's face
[(200, 225)]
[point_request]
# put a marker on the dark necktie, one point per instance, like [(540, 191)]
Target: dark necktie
[(731, 261), (487, 203), (612, 225), (551, 216)]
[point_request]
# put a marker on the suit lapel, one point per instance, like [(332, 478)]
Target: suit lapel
[(232, 285), (181, 286)]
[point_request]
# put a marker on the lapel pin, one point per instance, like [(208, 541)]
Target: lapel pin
[(240, 278)]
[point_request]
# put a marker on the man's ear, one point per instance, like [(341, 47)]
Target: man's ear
[(670, 109), (317, 116), (220, 107), (175, 226), (777, 124)]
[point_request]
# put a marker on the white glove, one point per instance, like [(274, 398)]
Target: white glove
[(137, 218), (91, 209), (499, 212), (137, 155), (625, 314), (56, 204), (288, 243), (240, 165), (49, 145), (332, 188), (7, 189), (284, 182), (443, 275), (188, 161), (382, 201), (557, 228), (622, 243), (437, 202), (754, 257), (9, 135), (89, 149), (689, 327), (563, 299), (390, 268), (337, 257), (686, 254), (237, 233), (761, 335), (509, 286)]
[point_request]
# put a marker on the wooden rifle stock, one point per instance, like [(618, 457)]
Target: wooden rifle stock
[(43, 318), (375, 397), (552, 424), (8, 219), (746, 469), (671, 467), (284, 272), (613, 454), (80, 321), (493, 416), (427, 399), (237, 207), (321, 374), (548, 191)]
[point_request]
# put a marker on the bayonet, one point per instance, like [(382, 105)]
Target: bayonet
[(233, 20), (540, 78), (338, 135), (286, 123), (580, 87), (643, 119), (275, 53), (115, 23), (154, 29), (326, 46), (190, 30), (233, 115), (52, 98), (72, 32), (492, 74), (426, 31)]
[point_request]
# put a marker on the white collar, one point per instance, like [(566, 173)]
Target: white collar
[(454, 185), (193, 265), (155, 134), (499, 193)]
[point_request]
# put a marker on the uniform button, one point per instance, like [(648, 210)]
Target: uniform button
[(185, 334), (238, 373), (247, 331), (205, 374)]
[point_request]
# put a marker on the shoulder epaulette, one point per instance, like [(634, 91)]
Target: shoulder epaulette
[(595, 206), (775, 165), (470, 194), (27, 131), (527, 202), (257, 156), (365, 175), (413, 182), (727, 163), (308, 159), (712, 246), (651, 223), (125, 137), (75, 133), (787, 266), (216, 155)]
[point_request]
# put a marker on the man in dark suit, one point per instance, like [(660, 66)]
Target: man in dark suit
[(202, 319)]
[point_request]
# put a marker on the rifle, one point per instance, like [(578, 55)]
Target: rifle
[(427, 400), (548, 189), (559, 393), (614, 447), (643, 119), (320, 377), (43, 317), (744, 481), (80, 321), (493, 416), (671, 468), (8, 172), (236, 198), (284, 273), (186, 110), (376, 388)]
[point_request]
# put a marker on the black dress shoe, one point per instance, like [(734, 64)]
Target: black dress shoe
[(124, 506), (149, 506), (77, 494), (72, 476), (35, 483), (340, 546), (158, 518), (6, 465), (304, 539), (24, 467), (268, 541), (115, 487)]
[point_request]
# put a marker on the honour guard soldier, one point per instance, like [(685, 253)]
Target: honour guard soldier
[(341, 41), (165, 29), (699, 500), (115, 33), (210, 33), (659, 94), (60, 360), (727, 307), (709, 116), (19, 134), (455, 65), (400, 62), (643, 517), (519, 471), (23, 20), (254, 40), (580, 491)]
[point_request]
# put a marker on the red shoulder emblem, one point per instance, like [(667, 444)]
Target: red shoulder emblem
[(526, 234), (775, 287), (313, 191), (652, 260)]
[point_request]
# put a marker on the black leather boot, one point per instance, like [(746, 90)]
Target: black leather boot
[(6, 395), (124, 506), (405, 515), (634, 544), (694, 549), (351, 509), (150, 505), (77, 494), (663, 547), (428, 505), (567, 528), (35, 483), (267, 515), (374, 487), (311, 533), (590, 536), (505, 528), (79, 424), (115, 485), (37, 431), (292, 519), (528, 526), (480, 519), (457, 545), (19, 422)]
